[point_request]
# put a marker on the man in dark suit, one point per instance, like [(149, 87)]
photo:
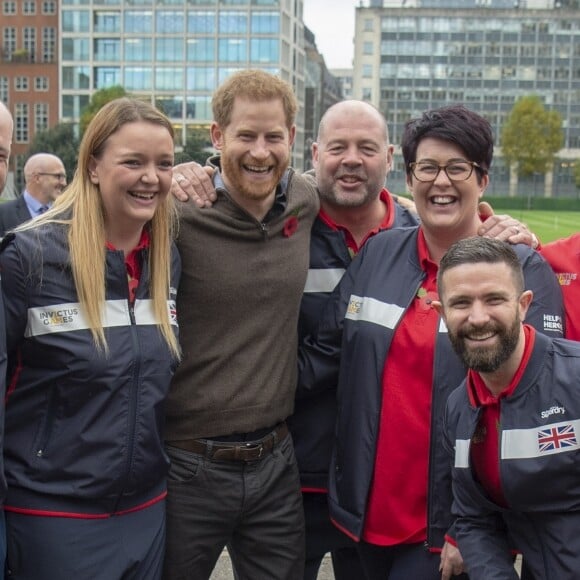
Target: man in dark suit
[(45, 179)]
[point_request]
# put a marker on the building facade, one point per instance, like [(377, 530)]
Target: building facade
[(176, 52), (344, 76), (417, 57), (55, 54), (321, 90), (28, 73)]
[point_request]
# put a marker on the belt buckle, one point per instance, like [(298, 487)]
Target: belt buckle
[(252, 446)]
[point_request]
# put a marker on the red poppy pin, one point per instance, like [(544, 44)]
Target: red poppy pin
[(292, 222), (290, 226)]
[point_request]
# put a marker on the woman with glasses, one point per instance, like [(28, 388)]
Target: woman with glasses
[(89, 292), (390, 476)]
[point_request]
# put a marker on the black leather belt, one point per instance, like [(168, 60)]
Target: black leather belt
[(246, 451)]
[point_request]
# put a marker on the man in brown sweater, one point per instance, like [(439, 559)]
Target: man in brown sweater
[(234, 479)]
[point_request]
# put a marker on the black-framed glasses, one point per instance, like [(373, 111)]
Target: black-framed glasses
[(59, 176), (456, 170)]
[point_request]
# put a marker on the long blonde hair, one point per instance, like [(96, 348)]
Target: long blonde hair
[(86, 225)]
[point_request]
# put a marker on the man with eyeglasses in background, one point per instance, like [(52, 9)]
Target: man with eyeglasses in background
[(45, 180)]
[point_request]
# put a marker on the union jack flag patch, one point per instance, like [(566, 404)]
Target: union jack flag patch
[(557, 438)]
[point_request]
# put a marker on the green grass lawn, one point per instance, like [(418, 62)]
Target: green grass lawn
[(548, 225)]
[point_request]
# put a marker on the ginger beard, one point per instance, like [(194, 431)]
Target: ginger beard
[(252, 179)]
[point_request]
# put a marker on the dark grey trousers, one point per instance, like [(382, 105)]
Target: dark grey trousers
[(322, 537), (127, 547), (401, 562), (254, 508)]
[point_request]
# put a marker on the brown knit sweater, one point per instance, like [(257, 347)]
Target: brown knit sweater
[(237, 308)]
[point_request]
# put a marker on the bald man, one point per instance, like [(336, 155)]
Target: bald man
[(45, 179), (6, 129)]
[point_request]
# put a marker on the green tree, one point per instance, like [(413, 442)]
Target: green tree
[(577, 173), (531, 136), (61, 141), (99, 98), (198, 146)]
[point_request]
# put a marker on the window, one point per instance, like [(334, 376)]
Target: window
[(200, 49), (49, 7), (169, 79), (107, 22), (368, 24), (9, 8), (198, 107), (4, 86), (41, 84), (265, 23), (367, 71), (107, 49), (9, 41), (21, 123), (169, 22), (107, 76), (233, 23), (137, 22), (75, 21), (40, 117), (138, 78), (201, 78), (20, 83), (75, 77), (264, 50), (76, 49), (29, 42), (72, 105), (138, 50), (29, 7), (48, 44), (367, 48), (233, 49), (171, 106), (169, 49), (201, 22)]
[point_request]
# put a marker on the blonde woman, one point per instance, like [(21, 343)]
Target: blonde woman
[(89, 293)]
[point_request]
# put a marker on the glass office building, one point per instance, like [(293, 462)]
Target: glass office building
[(176, 51), (415, 58)]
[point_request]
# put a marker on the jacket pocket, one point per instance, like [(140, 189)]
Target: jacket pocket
[(47, 424)]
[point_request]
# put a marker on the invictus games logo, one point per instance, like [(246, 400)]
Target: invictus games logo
[(566, 278), (354, 305), (58, 317)]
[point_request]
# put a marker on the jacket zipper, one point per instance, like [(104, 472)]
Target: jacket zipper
[(134, 394)]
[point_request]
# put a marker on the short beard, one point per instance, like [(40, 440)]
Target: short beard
[(335, 198), (234, 174), (487, 359)]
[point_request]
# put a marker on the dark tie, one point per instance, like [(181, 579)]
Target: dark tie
[(42, 209)]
